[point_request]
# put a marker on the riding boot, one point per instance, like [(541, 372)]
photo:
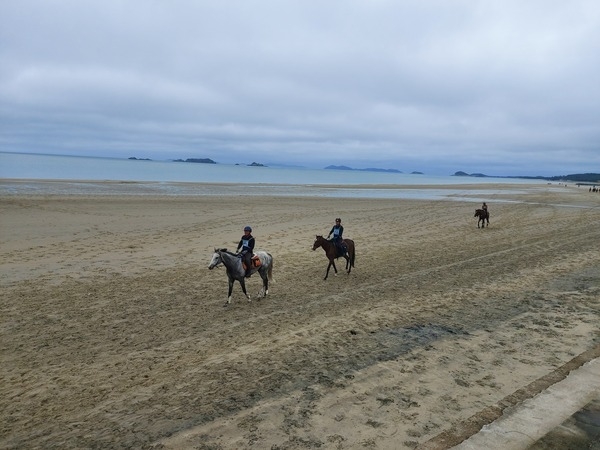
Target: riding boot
[(248, 264)]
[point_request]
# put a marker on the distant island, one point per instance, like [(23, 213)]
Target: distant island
[(197, 160), (210, 161), (460, 173), (370, 169), (574, 177), (580, 178), (254, 164)]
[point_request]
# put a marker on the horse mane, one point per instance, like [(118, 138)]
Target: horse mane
[(224, 250)]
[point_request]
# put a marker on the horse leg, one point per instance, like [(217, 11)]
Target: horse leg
[(348, 265), (243, 284), (331, 263), (265, 287), (266, 284), (229, 293)]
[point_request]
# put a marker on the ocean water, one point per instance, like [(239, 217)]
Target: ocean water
[(136, 177)]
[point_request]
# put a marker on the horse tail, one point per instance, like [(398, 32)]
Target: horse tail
[(270, 270), (351, 251)]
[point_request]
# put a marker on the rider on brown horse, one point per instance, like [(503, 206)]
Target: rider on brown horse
[(337, 231), (485, 212)]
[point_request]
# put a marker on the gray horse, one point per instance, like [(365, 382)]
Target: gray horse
[(235, 270)]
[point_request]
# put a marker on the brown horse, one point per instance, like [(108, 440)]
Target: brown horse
[(332, 253), (484, 216)]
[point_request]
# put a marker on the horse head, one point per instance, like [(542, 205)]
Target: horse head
[(478, 212), (216, 258), (318, 242)]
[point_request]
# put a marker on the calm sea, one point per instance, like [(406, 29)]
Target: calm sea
[(83, 174)]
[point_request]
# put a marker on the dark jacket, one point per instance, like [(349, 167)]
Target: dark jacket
[(340, 231), (246, 244)]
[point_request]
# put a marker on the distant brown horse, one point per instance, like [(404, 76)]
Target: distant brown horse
[(332, 253), (484, 216)]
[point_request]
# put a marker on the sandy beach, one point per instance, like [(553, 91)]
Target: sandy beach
[(113, 332)]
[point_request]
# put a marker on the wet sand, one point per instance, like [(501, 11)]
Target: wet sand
[(114, 334)]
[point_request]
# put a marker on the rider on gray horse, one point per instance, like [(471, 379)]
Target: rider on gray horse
[(247, 246), (338, 230)]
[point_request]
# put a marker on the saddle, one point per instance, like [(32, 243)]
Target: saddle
[(341, 249), (255, 262)]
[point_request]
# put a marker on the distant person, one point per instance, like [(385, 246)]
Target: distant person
[(247, 245), (337, 231), (486, 214)]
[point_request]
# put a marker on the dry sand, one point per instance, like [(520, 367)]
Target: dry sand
[(114, 334)]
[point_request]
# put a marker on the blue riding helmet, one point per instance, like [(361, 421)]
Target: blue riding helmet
[(247, 228)]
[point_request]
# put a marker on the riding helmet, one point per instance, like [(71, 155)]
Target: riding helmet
[(247, 228)]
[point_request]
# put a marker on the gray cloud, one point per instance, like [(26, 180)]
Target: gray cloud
[(496, 87)]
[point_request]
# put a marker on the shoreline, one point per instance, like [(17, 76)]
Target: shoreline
[(467, 185), (459, 192)]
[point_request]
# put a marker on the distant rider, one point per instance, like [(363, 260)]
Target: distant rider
[(486, 214), (337, 231), (247, 246)]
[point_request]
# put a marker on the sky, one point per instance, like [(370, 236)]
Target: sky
[(501, 87)]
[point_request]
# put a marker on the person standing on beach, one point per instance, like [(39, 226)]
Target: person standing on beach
[(247, 246), (337, 231)]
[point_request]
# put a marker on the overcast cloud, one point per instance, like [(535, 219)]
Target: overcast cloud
[(507, 87)]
